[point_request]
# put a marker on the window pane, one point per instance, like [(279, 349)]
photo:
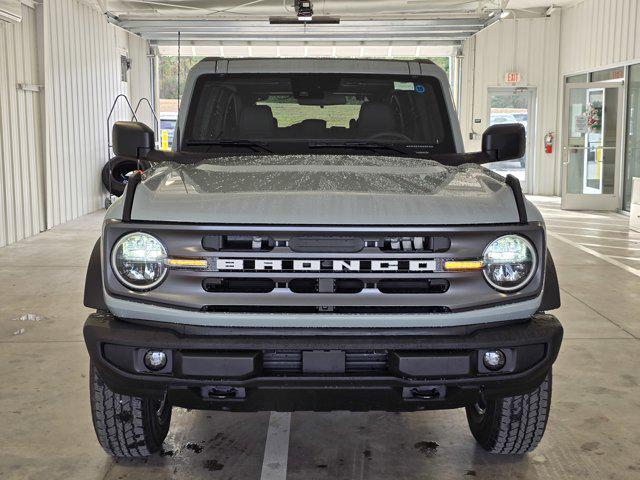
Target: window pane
[(607, 75), (583, 78), (632, 154)]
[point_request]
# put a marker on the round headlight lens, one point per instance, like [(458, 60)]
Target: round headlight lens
[(509, 262), (138, 261)]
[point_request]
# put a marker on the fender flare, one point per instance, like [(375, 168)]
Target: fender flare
[(551, 290), (93, 289)]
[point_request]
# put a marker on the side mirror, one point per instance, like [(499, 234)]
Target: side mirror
[(507, 141), (132, 139)]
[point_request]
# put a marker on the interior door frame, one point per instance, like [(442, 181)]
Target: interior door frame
[(532, 105), (601, 201)]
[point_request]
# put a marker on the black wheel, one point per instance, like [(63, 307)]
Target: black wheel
[(127, 426), (115, 173), (512, 425)]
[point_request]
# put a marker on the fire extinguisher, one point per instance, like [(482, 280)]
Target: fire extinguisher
[(548, 143)]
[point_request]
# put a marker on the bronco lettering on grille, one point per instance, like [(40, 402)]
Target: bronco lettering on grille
[(314, 265)]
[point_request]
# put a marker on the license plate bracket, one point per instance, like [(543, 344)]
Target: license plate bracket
[(323, 361)]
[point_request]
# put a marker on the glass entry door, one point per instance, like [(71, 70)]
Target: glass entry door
[(514, 105), (591, 147)]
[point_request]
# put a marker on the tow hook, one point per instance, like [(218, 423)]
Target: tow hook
[(223, 393), (481, 404), (430, 392)]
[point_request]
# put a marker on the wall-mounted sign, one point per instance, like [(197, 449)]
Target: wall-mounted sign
[(512, 77)]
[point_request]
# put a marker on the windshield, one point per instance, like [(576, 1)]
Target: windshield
[(298, 109)]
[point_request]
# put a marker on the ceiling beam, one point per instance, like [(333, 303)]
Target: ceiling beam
[(208, 43), (410, 31)]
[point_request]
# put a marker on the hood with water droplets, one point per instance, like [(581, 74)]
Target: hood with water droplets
[(323, 190)]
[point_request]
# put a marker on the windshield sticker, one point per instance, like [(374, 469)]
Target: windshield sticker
[(419, 88), (409, 86)]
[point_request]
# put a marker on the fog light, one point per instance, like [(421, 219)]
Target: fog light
[(494, 359), (155, 360)]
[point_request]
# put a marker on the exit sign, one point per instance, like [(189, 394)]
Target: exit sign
[(512, 77)]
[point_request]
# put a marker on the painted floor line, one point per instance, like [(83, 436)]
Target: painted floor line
[(552, 213), (565, 224), (613, 239), (596, 229), (625, 258), (606, 258), (600, 221), (631, 249), (276, 448)]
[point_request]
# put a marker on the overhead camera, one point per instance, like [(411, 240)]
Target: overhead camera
[(304, 9)]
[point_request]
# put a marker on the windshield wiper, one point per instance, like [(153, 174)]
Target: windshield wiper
[(364, 146), (255, 146)]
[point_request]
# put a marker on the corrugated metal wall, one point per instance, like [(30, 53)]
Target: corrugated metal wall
[(590, 35), (82, 74), (21, 165), (529, 46), (599, 33), (53, 143)]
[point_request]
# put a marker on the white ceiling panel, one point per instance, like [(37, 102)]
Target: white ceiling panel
[(406, 24), (313, 51), (261, 9)]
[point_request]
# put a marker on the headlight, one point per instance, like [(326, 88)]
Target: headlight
[(509, 262), (138, 261)]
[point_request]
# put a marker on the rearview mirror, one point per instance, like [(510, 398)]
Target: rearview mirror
[(132, 139), (507, 141)]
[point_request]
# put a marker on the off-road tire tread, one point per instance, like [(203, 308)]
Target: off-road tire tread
[(514, 425), (126, 426)]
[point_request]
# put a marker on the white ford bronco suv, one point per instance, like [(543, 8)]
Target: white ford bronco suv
[(317, 240)]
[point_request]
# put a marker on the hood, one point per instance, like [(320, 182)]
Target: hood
[(323, 190)]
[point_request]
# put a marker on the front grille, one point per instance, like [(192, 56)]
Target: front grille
[(415, 244), (238, 285), (325, 285), (326, 269), (238, 243), (316, 244), (356, 361), (416, 286)]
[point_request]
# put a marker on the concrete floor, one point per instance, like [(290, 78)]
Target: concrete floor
[(594, 429)]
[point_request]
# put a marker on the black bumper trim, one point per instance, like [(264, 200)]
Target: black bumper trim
[(310, 391)]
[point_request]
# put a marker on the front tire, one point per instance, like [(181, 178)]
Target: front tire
[(512, 425), (126, 426)]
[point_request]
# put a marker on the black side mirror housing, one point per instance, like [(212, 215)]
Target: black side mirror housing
[(132, 139), (507, 141)]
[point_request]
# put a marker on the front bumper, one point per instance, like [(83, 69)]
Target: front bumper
[(321, 370)]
